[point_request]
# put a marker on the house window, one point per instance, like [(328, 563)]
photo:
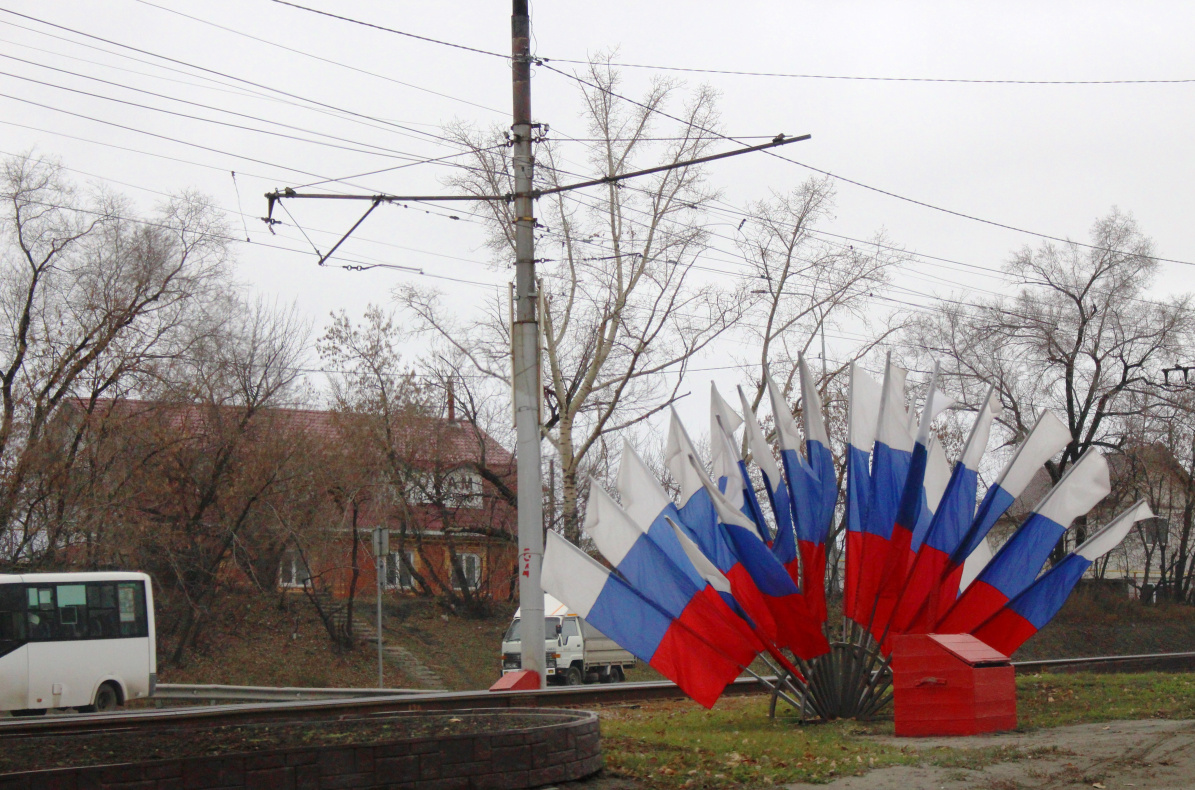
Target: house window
[(293, 571), (468, 567), (398, 573)]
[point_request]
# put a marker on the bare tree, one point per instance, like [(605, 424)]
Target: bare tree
[(804, 284), (1079, 337), (428, 474), (89, 297), (621, 308)]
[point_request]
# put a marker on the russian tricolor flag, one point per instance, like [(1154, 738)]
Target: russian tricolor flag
[(1029, 612), (758, 568), (812, 484), (1045, 440), (913, 509), (729, 470), (946, 529), (648, 506), (697, 517), (655, 575), (863, 412), (613, 607), (695, 512), (891, 458), (784, 542), (1018, 561)]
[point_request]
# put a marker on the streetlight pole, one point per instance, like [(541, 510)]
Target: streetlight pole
[(526, 352)]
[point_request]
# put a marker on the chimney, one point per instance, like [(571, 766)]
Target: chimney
[(451, 401)]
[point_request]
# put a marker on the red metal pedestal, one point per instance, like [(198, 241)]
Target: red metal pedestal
[(951, 684), (523, 680)]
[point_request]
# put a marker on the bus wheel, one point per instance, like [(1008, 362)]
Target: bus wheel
[(106, 699)]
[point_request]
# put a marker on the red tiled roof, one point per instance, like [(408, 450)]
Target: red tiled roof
[(446, 442)]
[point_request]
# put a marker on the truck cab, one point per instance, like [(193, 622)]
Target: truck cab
[(576, 652)]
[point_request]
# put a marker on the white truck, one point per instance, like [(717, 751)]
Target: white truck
[(576, 651)]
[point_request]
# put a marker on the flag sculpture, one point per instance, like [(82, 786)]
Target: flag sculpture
[(734, 570)]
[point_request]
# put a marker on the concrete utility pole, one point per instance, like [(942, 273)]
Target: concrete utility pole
[(525, 340)]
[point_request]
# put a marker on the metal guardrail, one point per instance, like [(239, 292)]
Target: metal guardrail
[(1152, 660), (338, 704), (207, 692)]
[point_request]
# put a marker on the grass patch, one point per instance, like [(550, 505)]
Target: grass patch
[(1053, 700), (680, 745)]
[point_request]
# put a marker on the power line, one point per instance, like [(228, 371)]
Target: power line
[(387, 152), (392, 30), (225, 87), (860, 184), (415, 158), (319, 58), (162, 136), (949, 80), (242, 80)]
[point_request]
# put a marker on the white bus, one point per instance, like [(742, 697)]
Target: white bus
[(75, 640)]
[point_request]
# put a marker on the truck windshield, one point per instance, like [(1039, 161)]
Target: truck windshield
[(550, 626)]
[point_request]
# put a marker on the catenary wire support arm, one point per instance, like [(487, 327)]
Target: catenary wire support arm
[(525, 193), (777, 141), (290, 194), (323, 258)]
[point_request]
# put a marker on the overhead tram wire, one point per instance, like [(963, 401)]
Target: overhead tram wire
[(361, 264), (416, 158), (216, 86), (224, 75), (322, 59), (165, 137), (737, 213), (225, 87), (392, 30), (844, 179), (389, 153), (849, 78), (742, 261)]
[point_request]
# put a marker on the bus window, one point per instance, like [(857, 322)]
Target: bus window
[(12, 617), (72, 611), (41, 614), (130, 599), (103, 622)]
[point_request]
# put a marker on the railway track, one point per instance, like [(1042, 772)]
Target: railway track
[(377, 704)]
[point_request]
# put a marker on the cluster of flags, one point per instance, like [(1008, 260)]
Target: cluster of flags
[(735, 567)]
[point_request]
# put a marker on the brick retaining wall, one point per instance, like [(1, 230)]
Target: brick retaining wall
[(565, 748)]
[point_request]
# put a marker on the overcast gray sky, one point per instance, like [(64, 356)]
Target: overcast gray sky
[(1047, 158)]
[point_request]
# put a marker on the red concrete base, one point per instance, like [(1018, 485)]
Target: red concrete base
[(523, 680)]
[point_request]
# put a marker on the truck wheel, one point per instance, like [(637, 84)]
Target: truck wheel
[(573, 677), (616, 675)]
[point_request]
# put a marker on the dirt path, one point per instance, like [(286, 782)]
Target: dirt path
[(1153, 754)]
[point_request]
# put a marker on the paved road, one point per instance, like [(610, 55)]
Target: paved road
[(1158, 755)]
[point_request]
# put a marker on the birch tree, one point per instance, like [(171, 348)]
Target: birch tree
[(622, 307)]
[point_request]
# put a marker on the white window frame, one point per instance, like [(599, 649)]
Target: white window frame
[(475, 581), (291, 561), (392, 563)]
